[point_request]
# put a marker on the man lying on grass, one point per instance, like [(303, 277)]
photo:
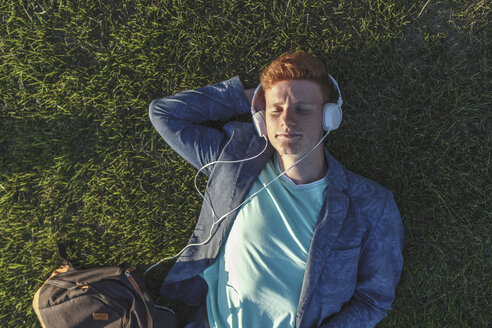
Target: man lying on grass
[(318, 246)]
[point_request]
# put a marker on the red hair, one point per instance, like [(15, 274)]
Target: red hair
[(298, 65)]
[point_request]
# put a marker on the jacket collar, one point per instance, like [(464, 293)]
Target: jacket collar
[(336, 173)]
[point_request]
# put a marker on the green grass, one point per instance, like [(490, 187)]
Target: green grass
[(81, 163)]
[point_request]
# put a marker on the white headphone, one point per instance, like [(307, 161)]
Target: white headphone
[(332, 113)]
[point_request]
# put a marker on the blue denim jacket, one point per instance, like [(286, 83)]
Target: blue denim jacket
[(355, 258)]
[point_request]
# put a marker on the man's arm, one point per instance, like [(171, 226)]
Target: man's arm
[(179, 119), (379, 270)]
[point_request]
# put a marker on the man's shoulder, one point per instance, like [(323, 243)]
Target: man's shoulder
[(367, 197), (352, 183), (242, 135), (360, 185), (366, 194), (238, 127), (243, 140)]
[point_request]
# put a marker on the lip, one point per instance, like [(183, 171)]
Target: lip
[(288, 135)]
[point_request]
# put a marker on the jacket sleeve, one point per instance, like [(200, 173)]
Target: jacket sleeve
[(380, 265), (180, 119)]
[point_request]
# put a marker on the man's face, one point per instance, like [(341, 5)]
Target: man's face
[(293, 116)]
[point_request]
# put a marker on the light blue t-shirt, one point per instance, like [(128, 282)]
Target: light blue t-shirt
[(257, 277)]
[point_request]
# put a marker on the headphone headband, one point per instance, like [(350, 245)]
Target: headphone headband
[(335, 84), (253, 110)]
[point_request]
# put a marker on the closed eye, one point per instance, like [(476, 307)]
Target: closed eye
[(303, 110), (276, 110)]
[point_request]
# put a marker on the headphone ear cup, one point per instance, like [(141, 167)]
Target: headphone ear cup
[(259, 123), (332, 116)]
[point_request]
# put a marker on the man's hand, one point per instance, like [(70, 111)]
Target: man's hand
[(260, 98), (249, 94)]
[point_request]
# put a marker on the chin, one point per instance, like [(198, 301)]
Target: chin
[(287, 152)]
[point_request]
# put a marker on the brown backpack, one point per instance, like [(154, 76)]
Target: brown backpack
[(99, 297)]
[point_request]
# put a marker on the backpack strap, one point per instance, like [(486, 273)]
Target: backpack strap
[(62, 252), (150, 321)]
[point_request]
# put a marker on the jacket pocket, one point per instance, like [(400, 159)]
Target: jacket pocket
[(339, 274)]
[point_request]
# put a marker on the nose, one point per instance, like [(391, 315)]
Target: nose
[(288, 116)]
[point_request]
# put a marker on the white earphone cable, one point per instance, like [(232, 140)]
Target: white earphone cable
[(237, 207), (339, 104)]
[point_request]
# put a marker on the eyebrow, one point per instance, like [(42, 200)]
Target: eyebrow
[(302, 102)]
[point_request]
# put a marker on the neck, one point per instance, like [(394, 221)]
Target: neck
[(312, 168)]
